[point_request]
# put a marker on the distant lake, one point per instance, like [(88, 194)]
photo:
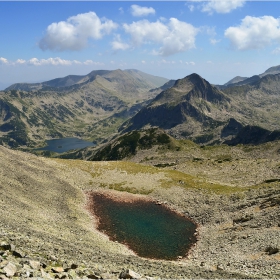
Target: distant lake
[(150, 230), (65, 144)]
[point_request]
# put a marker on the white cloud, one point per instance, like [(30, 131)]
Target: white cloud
[(222, 7), (117, 44), (138, 11), (74, 33), (276, 51), (49, 61), (76, 62), (91, 62), (175, 36), (214, 41), (254, 33), (143, 31), (191, 7), (3, 60), (20, 61)]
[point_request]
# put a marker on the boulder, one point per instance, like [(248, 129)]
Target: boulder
[(57, 269), (35, 265), (10, 269), (129, 274)]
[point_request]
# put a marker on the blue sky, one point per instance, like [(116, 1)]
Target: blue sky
[(216, 39)]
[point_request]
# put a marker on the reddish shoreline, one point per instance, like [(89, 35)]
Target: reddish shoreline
[(130, 198)]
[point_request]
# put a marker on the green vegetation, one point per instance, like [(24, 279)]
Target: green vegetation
[(128, 144), (200, 139)]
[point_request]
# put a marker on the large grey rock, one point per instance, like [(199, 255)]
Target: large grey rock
[(10, 269), (35, 265), (57, 269), (129, 274)]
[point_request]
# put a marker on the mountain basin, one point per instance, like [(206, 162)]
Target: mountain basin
[(65, 144), (148, 228)]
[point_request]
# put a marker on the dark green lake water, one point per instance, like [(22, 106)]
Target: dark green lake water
[(65, 144), (150, 230)]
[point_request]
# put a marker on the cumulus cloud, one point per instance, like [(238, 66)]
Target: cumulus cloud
[(220, 6), (52, 61), (55, 61), (49, 61), (117, 44), (276, 51), (214, 41), (254, 33), (20, 61), (3, 60), (175, 36), (191, 7), (74, 33), (91, 62), (138, 11)]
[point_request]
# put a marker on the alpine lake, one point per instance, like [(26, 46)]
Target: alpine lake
[(65, 144), (150, 229)]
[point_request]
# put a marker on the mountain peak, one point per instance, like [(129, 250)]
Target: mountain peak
[(192, 78)]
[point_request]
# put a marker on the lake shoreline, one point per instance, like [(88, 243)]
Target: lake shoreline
[(127, 198), (62, 145)]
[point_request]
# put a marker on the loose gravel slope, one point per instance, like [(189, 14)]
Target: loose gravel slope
[(43, 213)]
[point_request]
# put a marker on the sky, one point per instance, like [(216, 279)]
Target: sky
[(217, 39)]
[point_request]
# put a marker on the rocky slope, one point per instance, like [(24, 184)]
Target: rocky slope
[(90, 106), (254, 135), (231, 192)]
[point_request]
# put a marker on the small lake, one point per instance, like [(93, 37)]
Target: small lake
[(150, 230), (65, 144)]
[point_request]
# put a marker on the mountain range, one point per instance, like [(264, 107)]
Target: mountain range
[(104, 104), (248, 80), (197, 110), (90, 106)]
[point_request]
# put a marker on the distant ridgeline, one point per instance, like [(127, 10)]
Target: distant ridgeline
[(106, 104)]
